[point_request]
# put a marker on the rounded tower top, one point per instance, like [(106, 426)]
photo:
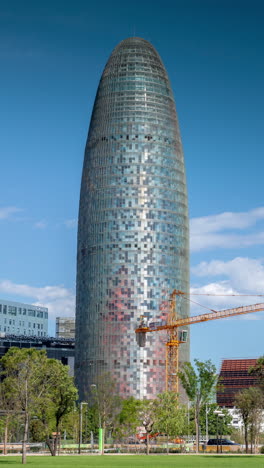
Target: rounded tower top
[(133, 51), (136, 42)]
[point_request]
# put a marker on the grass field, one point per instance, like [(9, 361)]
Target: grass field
[(138, 461)]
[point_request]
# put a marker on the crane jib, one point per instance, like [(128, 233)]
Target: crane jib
[(204, 317)]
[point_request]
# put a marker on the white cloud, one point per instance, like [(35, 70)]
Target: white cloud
[(7, 211), (59, 300), (207, 231), (40, 225), (244, 274), (70, 223), (221, 295), (241, 275)]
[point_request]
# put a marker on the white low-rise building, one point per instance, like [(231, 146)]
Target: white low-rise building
[(17, 318)]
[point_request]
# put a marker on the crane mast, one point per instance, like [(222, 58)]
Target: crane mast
[(174, 338)]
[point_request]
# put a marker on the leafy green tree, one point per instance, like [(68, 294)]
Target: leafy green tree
[(199, 386), (211, 420), (57, 400), (258, 371), (169, 416), (106, 402), (146, 416), (21, 371), (40, 388), (90, 421), (8, 407), (249, 405), (128, 417)]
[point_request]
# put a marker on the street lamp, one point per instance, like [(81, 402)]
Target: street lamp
[(217, 413), (207, 411), (101, 431), (80, 425), (221, 415)]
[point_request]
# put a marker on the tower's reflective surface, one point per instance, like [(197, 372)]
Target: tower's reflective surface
[(133, 242)]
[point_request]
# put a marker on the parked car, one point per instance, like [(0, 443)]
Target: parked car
[(221, 442)]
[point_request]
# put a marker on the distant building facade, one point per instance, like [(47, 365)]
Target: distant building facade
[(65, 327), (23, 319), (61, 349), (233, 378)]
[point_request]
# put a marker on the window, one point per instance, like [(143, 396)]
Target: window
[(12, 310), (4, 309)]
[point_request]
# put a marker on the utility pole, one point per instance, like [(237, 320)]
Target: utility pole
[(101, 430), (80, 425)]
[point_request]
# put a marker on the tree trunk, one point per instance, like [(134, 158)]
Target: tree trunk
[(147, 448), (55, 445), (25, 438), (103, 439), (6, 436), (246, 438), (51, 443), (167, 444), (197, 429)]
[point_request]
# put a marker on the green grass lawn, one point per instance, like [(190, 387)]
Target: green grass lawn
[(138, 461)]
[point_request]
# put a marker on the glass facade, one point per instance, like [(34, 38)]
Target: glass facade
[(17, 318), (133, 238)]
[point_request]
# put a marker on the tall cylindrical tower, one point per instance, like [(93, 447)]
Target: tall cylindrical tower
[(133, 241)]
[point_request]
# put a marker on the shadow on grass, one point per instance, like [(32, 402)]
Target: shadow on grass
[(9, 461), (242, 455)]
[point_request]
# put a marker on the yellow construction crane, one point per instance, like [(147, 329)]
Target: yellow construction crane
[(175, 338)]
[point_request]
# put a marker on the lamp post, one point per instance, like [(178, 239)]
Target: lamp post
[(101, 431), (217, 413), (221, 415), (80, 425), (206, 422)]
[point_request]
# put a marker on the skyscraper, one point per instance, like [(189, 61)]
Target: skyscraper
[(133, 241)]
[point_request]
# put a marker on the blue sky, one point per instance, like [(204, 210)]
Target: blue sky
[(52, 56)]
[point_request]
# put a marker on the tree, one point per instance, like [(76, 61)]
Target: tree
[(169, 417), (39, 388), (211, 420), (56, 401), (199, 387), (106, 402), (21, 372), (258, 371), (146, 416), (8, 407), (128, 417), (249, 403)]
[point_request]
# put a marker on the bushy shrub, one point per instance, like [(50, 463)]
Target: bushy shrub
[(261, 449)]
